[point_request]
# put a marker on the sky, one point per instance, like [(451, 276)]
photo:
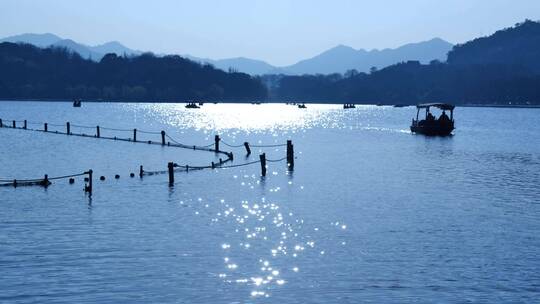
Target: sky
[(280, 32)]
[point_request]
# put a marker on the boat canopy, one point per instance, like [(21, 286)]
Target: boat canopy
[(442, 106)]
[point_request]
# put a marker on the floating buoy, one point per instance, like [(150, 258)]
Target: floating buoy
[(132, 175), (117, 176), (72, 180), (102, 178)]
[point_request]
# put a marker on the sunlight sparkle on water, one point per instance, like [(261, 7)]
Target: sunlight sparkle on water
[(244, 116)]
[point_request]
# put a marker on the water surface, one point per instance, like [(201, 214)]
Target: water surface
[(371, 212)]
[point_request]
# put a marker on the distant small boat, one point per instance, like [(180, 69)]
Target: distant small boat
[(349, 106), (77, 103), (192, 105), (302, 106)]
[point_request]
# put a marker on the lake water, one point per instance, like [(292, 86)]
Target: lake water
[(371, 212)]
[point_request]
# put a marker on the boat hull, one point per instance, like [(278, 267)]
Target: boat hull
[(433, 130)]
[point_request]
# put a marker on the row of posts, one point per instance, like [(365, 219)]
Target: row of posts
[(262, 160), (14, 124), (98, 130), (217, 139)]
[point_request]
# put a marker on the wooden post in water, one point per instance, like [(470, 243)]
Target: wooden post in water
[(248, 150), (163, 138), (25, 124), (46, 181), (45, 128), (262, 157), (68, 128), (216, 143), (134, 135), (290, 155), (14, 124), (170, 165), (141, 171), (88, 188), (1, 124), (98, 135)]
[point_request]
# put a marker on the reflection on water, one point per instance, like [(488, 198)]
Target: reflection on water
[(266, 117), (371, 212), (245, 117), (274, 236)]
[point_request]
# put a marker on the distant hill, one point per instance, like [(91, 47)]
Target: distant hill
[(81, 49), (342, 58), (518, 45), (39, 40), (114, 47), (29, 72), (240, 64), (336, 60), (500, 69), (93, 52)]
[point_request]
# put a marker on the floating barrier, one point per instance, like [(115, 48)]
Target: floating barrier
[(45, 181), (172, 167)]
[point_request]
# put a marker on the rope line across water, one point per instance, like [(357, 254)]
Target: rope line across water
[(3, 179), (175, 143)]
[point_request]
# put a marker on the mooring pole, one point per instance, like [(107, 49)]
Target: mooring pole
[(141, 171), (46, 181), (171, 173), (262, 157), (216, 143), (134, 134), (25, 124), (45, 129), (248, 150), (97, 132), (88, 188), (68, 128), (163, 138), (290, 155), (1, 124), (14, 124)]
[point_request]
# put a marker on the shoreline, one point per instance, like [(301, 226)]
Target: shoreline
[(277, 102)]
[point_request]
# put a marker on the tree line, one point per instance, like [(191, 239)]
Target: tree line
[(29, 72), (503, 68)]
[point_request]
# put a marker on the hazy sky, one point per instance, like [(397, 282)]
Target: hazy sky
[(278, 31)]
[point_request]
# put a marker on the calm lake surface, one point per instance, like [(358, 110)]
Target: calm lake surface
[(371, 212)]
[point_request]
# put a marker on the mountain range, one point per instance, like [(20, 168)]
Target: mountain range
[(335, 60), (50, 40)]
